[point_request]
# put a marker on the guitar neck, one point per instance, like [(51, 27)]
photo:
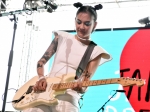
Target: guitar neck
[(68, 85)]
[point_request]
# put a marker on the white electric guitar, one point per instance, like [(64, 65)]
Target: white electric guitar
[(25, 97)]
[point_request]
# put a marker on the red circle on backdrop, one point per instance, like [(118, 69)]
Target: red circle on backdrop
[(136, 56)]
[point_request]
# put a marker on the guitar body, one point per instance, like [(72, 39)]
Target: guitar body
[(34, 99)]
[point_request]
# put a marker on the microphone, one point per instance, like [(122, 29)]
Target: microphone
[(120, 91)]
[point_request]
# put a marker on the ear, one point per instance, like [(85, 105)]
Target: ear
[(95, 24)]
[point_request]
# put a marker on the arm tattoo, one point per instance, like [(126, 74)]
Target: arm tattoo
[(46, 56), (87, 74), (49, 52), (39, 65)]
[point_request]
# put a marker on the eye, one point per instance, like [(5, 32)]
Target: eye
[(78, 21), (87, 23)]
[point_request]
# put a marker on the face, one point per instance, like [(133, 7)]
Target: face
[(84, 25)]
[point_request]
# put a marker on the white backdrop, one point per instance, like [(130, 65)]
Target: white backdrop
[(25, 57)]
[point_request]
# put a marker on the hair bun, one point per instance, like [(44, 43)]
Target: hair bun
[(78, 4), (97, 7)]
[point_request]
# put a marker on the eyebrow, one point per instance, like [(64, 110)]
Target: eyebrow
[(85, 21)]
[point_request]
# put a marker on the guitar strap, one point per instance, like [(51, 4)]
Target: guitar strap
[(85, 59), (83, 64)]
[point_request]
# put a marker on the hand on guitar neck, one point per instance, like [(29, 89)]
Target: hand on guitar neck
[(78, 86)]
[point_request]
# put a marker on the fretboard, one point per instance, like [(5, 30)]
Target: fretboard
[(68, 85)]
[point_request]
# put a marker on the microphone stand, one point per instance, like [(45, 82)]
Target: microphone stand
[(9, 62), (11, 51), (102, 108)]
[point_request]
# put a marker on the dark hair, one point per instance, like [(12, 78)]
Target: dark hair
[(89, 9)]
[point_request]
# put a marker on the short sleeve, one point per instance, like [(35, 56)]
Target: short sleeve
[(62, 35), (105, 55)]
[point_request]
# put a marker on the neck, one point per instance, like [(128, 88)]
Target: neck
[(82, 38), (83, 41)]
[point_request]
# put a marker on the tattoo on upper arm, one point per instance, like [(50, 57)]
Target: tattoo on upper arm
[(49, 52)]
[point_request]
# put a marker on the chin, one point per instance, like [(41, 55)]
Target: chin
[(82, 35)]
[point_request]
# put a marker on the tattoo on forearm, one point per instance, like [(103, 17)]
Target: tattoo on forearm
[(87, 74), (46, 56), (49, 53), (39, 65)]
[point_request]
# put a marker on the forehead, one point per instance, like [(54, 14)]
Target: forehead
[(83, 16)]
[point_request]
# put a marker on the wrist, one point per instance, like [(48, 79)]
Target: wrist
[(83, 90), (41, 77)]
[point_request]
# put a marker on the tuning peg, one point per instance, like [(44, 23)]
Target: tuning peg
[(134, 78)]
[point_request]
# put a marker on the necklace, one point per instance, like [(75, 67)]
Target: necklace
[(81, 38)]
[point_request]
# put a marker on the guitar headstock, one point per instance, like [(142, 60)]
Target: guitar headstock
[(124, 81)]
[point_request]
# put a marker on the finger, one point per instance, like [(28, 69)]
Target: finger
[(44, 85), (35, 88), (78, 89), (40, 86), (80, 85), (74, 86)]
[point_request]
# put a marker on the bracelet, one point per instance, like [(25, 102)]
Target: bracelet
[(43, 77)]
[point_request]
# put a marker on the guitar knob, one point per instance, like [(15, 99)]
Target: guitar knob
[(32, 94), (22, 102), (27, 98)]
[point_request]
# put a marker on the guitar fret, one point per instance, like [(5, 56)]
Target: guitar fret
[(108, 81), (64, 85), (71, 84), (99, 82), (94, 82), (86, 83), (115, 80), (103, 81), (90, 83), (55, 86), (67, 85), (61, 86)]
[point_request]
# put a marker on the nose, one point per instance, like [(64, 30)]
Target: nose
[(82, 27)]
